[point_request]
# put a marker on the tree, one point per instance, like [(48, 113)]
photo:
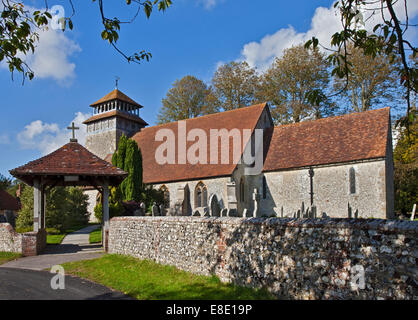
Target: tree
[(286, 83), (5, 183), (188, 98), (65, 208), (371, 81), (388, 38), (406, 169), (19, 29), (128, 157), (235, 85)]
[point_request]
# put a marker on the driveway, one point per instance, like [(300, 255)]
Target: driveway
[(74, 247), (23, 279), (20, 284)]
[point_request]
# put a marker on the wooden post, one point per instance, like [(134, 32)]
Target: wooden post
[(37, 205), (105, 215), (413, 212)]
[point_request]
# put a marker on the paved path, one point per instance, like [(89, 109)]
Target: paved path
[(74, 247), (19, 284)]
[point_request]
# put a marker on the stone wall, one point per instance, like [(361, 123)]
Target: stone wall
[(28, 244), (292, 258)]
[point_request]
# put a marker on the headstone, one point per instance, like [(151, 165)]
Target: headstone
[(162, 210), (10, 218), (154, 210), (231, 195), (256, 199), (232, 212), (224, 212), (142, 208), (206, 212)]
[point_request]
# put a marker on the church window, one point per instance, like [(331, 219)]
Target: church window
[(242, 190), (352, 180), (201, 195), (264, 188)]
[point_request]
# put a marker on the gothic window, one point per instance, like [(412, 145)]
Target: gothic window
[(264, 188), (352, 180), (166, 193), (201, 195), (242, 190)]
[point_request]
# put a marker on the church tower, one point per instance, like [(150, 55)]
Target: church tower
[(113, 115)]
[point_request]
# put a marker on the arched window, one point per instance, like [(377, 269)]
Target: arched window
[(166, 192), (201, 195), (352, 180), (264, 188), (242, 190)]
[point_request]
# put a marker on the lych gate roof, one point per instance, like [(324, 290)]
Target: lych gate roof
[(243, 118), (116, 95), (71, 159), (351, 137), (8, 202)]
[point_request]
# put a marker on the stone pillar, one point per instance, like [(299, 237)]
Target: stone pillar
[(37, 205), (256, 199), (105, 215)]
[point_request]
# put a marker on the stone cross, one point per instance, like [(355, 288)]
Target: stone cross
[(73, 128), (256, 199)]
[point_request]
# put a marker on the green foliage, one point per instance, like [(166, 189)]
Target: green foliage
[(115, 205), (65, 208), (129, 158), (188, 98), (235, 85), (150, 195), (19, 26), (5, 183), (406, 169)]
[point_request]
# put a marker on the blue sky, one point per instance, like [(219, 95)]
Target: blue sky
[(76, 68)]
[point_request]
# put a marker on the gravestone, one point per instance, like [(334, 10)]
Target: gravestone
[(154, 210), (162, 210), (256, 199), (245, 213), (142, 208), (224, 212)]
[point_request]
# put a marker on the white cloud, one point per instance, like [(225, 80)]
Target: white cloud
[(325, 22), (47, 137), (209, 4), (4, 138), (51, 58)]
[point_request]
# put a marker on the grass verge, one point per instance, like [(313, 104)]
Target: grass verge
[(8, 256), (96, 236), (147, 280)]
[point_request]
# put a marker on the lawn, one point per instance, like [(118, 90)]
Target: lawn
[(96, 236), (8, 256), (147, 280)]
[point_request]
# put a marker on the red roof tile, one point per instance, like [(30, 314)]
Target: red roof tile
[(8, 202), (116, 94), (356, 136), (70, 159), (243, 118)]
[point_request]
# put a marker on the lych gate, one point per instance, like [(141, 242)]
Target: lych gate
[(70, 165)]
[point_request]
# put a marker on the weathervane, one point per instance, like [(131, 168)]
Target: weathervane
[(74, 128), (117, 82)]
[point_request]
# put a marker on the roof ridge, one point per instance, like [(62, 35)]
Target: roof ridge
[(354, 113), (264, 104)]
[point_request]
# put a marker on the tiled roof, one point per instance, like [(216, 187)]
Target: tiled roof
[(243, 118), (116, 94), (352, 137), (115, 113), (70, 159), (8, 202)]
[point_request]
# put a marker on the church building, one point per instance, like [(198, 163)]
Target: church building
[(337, 167)]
